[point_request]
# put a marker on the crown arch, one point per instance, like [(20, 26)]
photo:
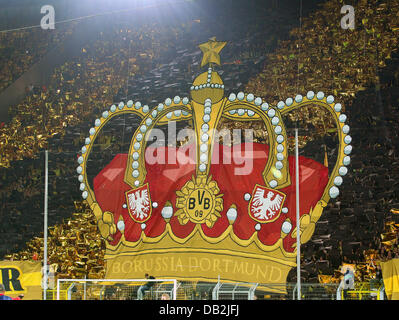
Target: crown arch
[(276, 172), (105, 221), (135, 173), (344, 147)]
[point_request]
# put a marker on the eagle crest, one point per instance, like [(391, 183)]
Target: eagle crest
[(265, 208), (139, 202)]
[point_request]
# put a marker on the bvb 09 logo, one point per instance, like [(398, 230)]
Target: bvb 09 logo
[(199, 205), (199, 201)]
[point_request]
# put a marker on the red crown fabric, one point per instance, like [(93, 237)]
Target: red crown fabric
[(165, 179)]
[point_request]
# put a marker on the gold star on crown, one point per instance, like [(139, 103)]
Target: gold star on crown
[(211, 51)]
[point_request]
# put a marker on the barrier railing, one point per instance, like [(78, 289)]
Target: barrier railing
[(71, 289), (362, 291), (114, 289)]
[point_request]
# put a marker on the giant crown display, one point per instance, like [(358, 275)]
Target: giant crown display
[(200, 220)]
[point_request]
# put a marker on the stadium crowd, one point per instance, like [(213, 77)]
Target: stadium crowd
[(21, 49), (154, 61), (117, 62)]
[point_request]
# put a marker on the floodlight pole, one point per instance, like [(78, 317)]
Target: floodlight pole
[(298, 239), (45, 226)]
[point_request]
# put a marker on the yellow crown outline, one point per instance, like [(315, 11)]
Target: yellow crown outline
[(207, 106)]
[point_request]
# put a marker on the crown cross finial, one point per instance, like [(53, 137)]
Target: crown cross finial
[(211, 50)]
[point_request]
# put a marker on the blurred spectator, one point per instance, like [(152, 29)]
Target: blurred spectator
[(165, 296), (348, 282), (2, 293), (147, 286)]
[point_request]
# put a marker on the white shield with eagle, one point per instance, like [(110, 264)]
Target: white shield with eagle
[(139, 204), (266, 204)]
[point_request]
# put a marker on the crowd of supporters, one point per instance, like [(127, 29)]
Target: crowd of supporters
[(114, 65), (153, 61), (20, 50)]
